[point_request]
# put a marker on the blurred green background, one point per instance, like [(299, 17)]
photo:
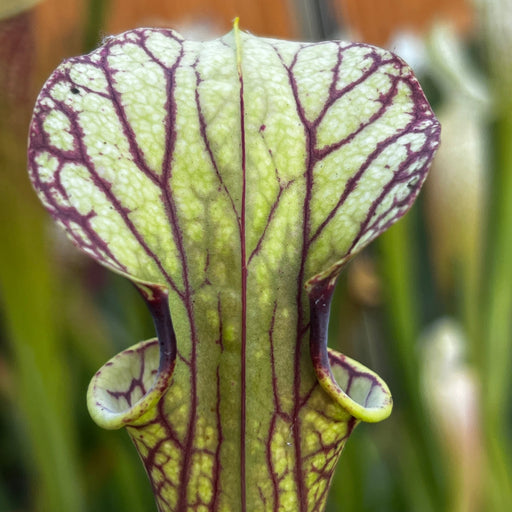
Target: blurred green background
[(428, 306)]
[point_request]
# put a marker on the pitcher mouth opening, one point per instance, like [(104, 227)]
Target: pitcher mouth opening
[(127, 387), (355, 388), (360, 391)]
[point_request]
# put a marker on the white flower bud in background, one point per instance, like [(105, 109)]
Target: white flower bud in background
[(457, 187), (452, 396), (496, 19)]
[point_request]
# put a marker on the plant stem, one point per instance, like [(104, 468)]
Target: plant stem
[(496, 324), (396, 258)]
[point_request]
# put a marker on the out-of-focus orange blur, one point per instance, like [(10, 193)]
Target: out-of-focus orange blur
[(376, 21), (264, 17), (60, 24)]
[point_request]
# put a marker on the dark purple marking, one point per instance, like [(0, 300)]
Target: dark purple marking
[(282, 188), (310, 143), (320, 304), (220, 339), (269, 220), (217, 466), (335, 93), (353, 181), (314, 323), (187, 298), (158, 305), (80, 156), (206, 141), (168, 352), (136, 382), (244, 263), (278, 412), (320, 307), (321, 295), (321, 153), (129, 133), (277, 403), (64, 215), (399, 176)]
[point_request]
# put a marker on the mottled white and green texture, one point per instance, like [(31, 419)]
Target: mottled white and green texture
[(231, 181)]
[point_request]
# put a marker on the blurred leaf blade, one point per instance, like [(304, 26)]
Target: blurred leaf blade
[(29, 302)]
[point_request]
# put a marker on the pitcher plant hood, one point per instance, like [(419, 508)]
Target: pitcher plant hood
[(231, 181)]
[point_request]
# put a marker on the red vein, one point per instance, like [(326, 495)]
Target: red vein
[(243, 347), (172, 214), (310, 144)]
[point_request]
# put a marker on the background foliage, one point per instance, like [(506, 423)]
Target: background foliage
[(428, 306)]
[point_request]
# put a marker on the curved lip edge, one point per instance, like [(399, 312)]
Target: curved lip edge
[(358, 411), (105, 417)]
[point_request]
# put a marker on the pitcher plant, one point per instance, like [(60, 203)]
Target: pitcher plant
[(231, 181)]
